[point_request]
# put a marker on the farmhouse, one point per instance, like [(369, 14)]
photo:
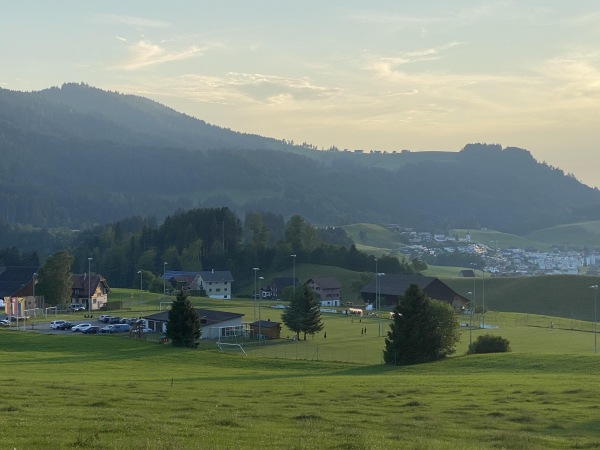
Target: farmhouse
[(98, 291), (276, 286), (16, 290), (393, 286), (328, 289), (216, 284), (214, 324)]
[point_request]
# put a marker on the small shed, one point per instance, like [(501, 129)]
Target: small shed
[(266, 329)]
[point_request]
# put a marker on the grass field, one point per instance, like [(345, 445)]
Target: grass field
[(112, 392)]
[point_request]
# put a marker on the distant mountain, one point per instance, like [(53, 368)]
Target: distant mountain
[(76, 155)]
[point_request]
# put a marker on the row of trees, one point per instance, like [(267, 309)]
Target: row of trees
[(204, 239)]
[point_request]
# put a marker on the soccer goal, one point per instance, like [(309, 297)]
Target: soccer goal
[(226, 347)]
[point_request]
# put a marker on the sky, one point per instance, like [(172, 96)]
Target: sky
[(379, 75)]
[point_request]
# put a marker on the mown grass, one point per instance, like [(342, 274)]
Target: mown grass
[(110, 392)]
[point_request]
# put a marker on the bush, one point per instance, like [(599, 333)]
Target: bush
[(489, 344)]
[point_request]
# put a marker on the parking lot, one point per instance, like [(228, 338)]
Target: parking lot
[(64, 325)]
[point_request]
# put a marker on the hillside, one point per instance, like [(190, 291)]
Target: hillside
[(76, 155)]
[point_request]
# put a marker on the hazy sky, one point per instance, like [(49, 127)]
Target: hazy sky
[(386, 75)]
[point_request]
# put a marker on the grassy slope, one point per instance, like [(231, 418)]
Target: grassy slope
[(112, 392)]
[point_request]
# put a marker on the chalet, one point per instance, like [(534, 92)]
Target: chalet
[(216, 284), (214, 324), (86, 288), (179, 280), (328, 290), (17, 290), (393, 286), (276, 286)]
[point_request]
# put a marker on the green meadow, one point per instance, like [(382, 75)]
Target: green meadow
[(115, 392)]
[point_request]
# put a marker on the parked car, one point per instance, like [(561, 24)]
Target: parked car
[(4, 323), (65, 326), (114, 319), (77, 307), (56, 323), (81, 326), (106, 329), (104, 318), (120, 328), (91, 330)]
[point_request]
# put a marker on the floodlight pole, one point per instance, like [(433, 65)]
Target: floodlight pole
[(259, 323), (595, 288), (470, 319), (164, 279), (256, 269), (378, 295), (34, 302), (141, 290), (483, 297), (89, 287)]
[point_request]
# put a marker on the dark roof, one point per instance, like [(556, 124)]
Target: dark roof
[(265, 324), (326, 282), (210, 315), (216, 275), (178, 273), (282, 282), (469, 273), (396, 285), (80, 281), (16, 281)]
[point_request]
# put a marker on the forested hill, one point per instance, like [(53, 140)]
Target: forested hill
[(76, 155)]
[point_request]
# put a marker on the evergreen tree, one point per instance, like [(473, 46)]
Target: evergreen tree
[(55, 282), (423, 330), (304, 313), (183, 327)]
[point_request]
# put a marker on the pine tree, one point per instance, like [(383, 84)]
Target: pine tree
[(423, 330), (183, 327), (304, 313)]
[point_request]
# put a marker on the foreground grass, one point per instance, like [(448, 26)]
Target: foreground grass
[(112, 392)]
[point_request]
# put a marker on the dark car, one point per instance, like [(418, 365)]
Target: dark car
[(91, 330), (65, 326), (112, 320)]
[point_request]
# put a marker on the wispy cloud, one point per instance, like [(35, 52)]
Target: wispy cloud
[(145, 53), (133, 21)]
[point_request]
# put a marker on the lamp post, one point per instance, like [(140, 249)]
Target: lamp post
[(470, 294), (256, 269), (595, 288), (34, 302), (378, 299), (165, 279), (259, 323), (483, 297), (294, 274), (141, 290), (89, 288)]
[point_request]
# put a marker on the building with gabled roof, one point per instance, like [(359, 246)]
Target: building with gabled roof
[(214, 324), (328, 289), (393, 286), (16, 289), (97, 294)]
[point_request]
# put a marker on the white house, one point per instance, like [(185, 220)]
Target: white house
[(216, 284)]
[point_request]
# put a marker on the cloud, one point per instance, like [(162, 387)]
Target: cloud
[(144, 54), (133, 21)]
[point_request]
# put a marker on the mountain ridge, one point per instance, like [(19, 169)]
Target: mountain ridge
[(92, 156)]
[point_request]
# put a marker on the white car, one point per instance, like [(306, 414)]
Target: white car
[(4, 323), (56, 324), (81, 327)]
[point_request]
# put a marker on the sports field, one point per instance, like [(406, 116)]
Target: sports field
[(113, 392)]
